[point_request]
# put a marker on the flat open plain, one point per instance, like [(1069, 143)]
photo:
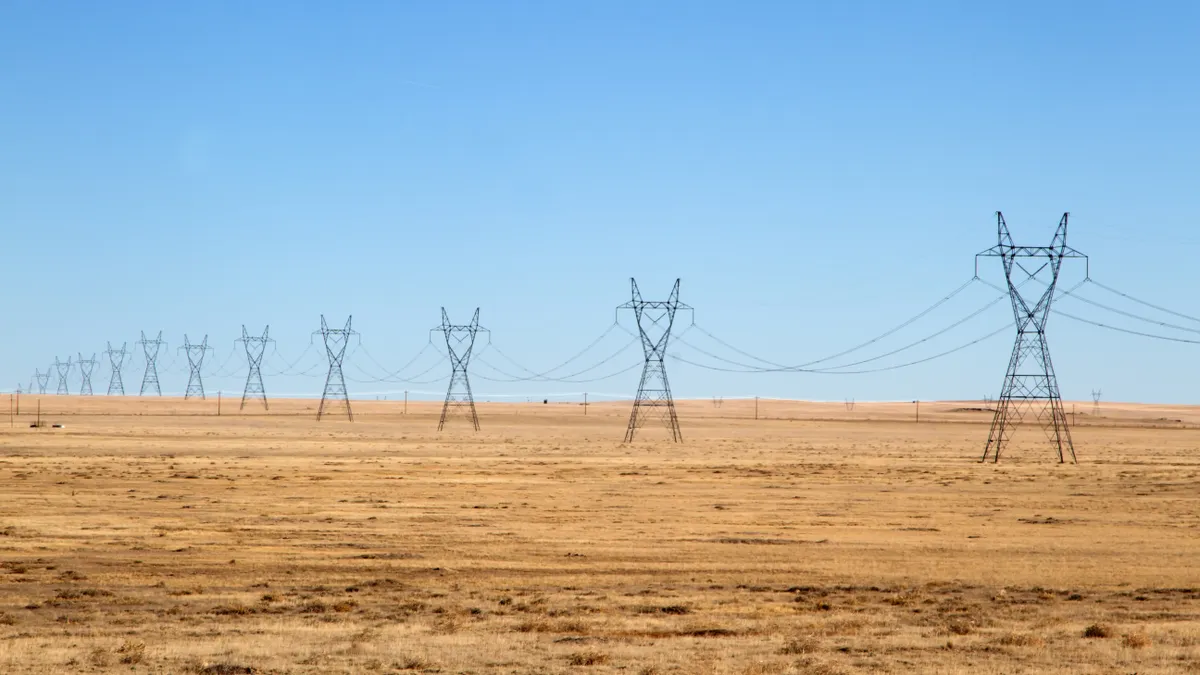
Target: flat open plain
[(155, 536)]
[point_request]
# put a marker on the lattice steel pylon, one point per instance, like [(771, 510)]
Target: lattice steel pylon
[(1029, 383), (43, 379), (655, 320), (460, 340), (85, 374), (255, 348), (151, 348), (195, 357), (116, 358), (63, 369), (335, 392), (1096, 402)]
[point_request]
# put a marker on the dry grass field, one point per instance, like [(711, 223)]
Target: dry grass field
[(154, 536)]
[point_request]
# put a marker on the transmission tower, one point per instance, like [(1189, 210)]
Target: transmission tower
[(63, 370), (654, 319), (255, 348), (43, 380), (1029, 384), (460, 340), (1096, 402), (335, 393), (85, 372), (117, 359), (151, 348), (195, 357)]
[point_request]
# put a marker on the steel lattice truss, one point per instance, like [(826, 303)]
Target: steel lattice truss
[(1030, 386), (655, 320), (255, 348), (335, 393), (151, 348), (195, 357), (116, 358), (63, 369), (460, 340), (85, 372), (43, 380)]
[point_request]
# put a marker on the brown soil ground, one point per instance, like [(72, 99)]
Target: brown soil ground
[(155, 536)]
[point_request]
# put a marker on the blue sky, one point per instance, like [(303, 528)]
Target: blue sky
[(815, 173)]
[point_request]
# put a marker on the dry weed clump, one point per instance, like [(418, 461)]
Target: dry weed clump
[(132, 652), (1138, 640), (1099, 630), (1021, 640), (800, 645), (764, 668), (413, 663), (588, 658), (226, 669), (960, 627), (100, 657)]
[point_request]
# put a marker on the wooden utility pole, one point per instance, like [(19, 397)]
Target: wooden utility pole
[(405, 401), (218, 404), (585, 403), (755, 407), (918, 411)]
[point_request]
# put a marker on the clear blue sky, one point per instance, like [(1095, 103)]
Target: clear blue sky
[(814, 173)]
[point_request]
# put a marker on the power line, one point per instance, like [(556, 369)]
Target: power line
[(1143, 302), (885, 334), (1098, 324), (394, 376), (544, 375), (1131, 315)]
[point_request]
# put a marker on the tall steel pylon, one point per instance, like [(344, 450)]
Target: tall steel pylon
[(335, 393), (85, 372), (43, 380), (195, 357), (255, 348), (1096, 402), (116, 358), (1029, 383), (151, 348), (63, 369), (655, 320), (460, 340)]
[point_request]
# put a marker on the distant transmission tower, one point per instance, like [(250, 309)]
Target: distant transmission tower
[(1029, 383), (151, 349), (460, 340), (1096, 402), (654, 319), (85, 372), (117, 359), (195, 357), (63, 369), (43, 379), (255, 348), (335, 393)]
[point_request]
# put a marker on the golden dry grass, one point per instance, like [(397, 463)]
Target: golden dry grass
[(153, 536)]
